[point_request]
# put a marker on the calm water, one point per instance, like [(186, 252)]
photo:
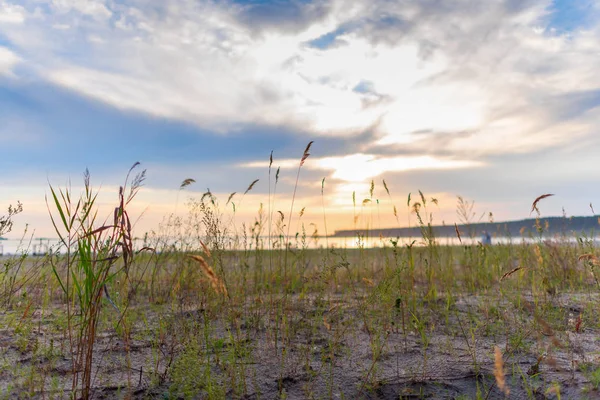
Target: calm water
[(38, 246)]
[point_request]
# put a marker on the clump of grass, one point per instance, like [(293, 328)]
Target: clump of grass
[(92, 252)]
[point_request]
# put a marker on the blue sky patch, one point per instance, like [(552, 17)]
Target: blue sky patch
[(89, 133), (326, 41), (364, 87), (569, 15)]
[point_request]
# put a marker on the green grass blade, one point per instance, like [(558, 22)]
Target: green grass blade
[(62, 286), (59, 208)]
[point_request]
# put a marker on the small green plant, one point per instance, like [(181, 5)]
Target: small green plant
[(191, 378), (592, 373)]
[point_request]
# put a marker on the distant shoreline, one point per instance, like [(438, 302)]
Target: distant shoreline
[(523, 227)]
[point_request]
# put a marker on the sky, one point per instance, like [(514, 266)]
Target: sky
[(495, 101)]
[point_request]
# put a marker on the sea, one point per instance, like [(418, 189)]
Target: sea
[(42, 246)]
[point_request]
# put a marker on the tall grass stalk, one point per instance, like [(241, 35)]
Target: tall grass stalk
[(287, 241), (270, 218), (324, 216)]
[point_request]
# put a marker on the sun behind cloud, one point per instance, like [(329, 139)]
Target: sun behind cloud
[(362, 167)]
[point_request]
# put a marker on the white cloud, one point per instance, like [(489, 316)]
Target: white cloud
[(62, 27), (8, 60), (11, 13), (94, 8)]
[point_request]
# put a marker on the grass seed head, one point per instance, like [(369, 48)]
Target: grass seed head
[(216, 283), (251, 186), (306, 153), (186, 182), (499, 371), (534, 205)]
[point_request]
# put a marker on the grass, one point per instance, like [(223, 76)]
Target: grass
[(214, 310)]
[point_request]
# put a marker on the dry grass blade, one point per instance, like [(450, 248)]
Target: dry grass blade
[(509, 273), (326, 324), (499, 371), (251, 186), (216, 283), (306, 153), (534, 205), (588, 257), (457, 233), (548, 331), (368, 282), (186, 182), (386, 188)]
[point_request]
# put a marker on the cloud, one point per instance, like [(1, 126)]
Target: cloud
[(8, 60), (322, 67), (93, 8), (11, 13), (290, 16)]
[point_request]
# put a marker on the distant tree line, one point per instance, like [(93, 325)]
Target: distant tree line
[(524, 227)]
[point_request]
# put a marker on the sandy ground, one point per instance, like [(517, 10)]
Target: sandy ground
[(341, 359)]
